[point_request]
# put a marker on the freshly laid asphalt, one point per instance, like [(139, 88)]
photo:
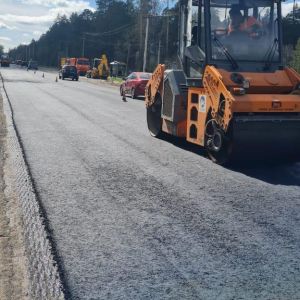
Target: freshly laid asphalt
[(134, 217)]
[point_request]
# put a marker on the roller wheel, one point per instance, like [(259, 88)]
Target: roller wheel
[(154, 120), (217, 143)]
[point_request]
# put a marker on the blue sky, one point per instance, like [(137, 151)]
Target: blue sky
[(24, 20)]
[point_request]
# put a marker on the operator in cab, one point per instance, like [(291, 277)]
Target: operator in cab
[(240, 23)]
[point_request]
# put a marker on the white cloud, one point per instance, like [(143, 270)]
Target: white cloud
[(51, 3), (59, 7), (27, 20), (68, 10), (288, 7), (5, 26), (5, 38), (18, 17)]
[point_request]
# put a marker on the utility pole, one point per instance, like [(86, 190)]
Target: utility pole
[(159, 47), (141, 32), (127, 62), (67, 50), (167, 34), (146, 45), (83, 45), (33, 51), (294, 7)]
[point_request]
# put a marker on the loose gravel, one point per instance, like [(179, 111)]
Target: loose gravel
[(30, 269)]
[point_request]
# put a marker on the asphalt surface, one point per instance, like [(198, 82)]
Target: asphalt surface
[(135, 217)]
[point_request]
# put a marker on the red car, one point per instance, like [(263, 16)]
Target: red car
[(135, 84)]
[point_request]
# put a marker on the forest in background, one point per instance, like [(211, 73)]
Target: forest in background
[(117, 29)]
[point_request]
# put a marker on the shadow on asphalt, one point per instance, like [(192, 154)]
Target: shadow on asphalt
[(139, 98), (283, 173), (273, 171)]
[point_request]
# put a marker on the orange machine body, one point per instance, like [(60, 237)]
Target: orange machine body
[(266, 93), (219, 98)]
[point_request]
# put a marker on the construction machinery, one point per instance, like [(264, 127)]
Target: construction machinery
[(82, 64), (231, 93), (62, 62), (100, 68)]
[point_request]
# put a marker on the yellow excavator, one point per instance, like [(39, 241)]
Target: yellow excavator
[(231, 92), (100, 68)]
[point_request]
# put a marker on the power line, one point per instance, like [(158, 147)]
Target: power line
[(111, 32)]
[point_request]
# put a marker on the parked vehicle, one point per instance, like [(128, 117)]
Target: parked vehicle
[(82, 64), (4, 60), (24, 63), (32, 65), (135, 84), (68, 71)]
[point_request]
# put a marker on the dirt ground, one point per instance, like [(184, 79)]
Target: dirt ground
[(13, 263)]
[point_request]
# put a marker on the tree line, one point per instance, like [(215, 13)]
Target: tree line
[(117, 28)]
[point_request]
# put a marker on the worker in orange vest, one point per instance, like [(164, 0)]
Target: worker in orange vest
[(240, 23)]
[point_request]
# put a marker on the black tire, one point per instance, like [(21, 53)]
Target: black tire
[(154, 121), (62, 77), (76, 79), (220, 154)]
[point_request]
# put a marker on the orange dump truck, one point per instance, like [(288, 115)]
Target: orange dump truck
[(82, 64)]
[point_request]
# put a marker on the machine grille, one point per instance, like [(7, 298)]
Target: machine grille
[(168, 100)]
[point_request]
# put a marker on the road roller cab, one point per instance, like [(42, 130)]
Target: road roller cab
[(231, 93)]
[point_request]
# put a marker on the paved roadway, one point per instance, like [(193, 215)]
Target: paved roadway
[(135, 217)]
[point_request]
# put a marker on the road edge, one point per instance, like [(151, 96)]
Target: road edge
[(46, 280)]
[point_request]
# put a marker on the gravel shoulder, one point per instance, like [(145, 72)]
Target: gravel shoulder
[(13, 263)]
